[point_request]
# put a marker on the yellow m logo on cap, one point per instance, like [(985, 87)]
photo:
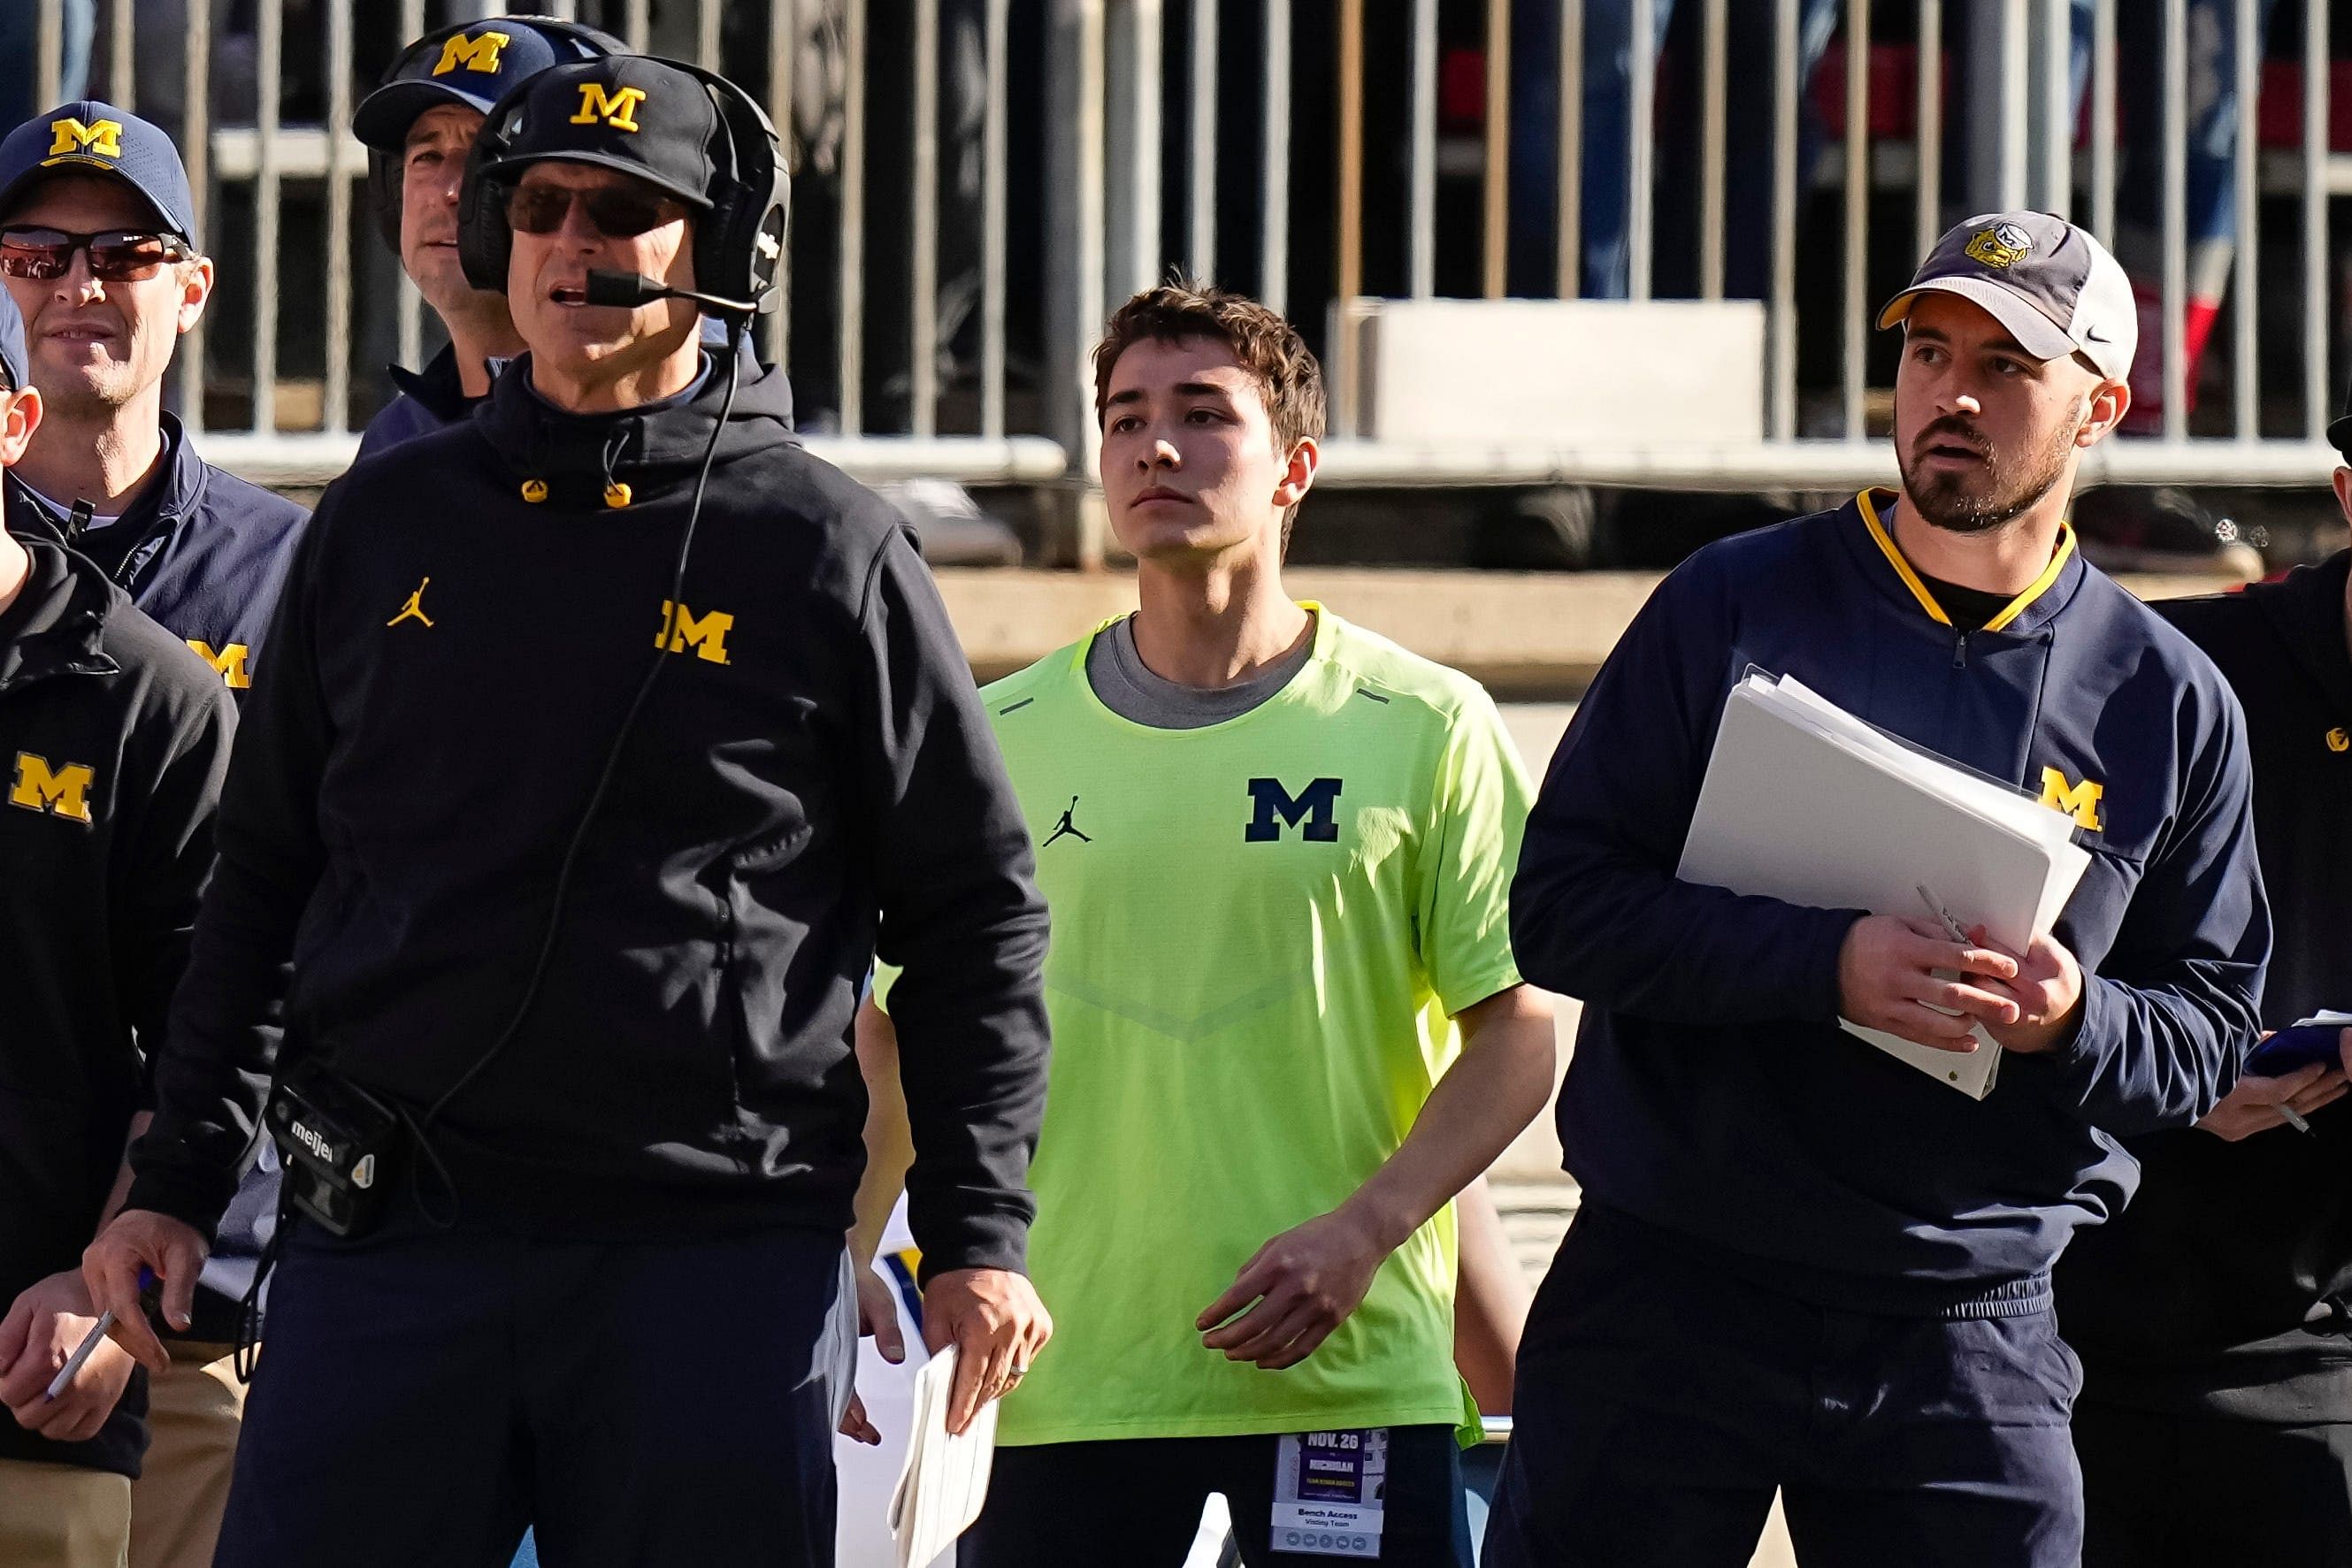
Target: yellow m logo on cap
[(59, 791), (69, 135), (479, 53), (2079, 801), (616, 110)]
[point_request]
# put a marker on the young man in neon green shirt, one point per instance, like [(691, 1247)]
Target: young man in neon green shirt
[(1288, 1025)]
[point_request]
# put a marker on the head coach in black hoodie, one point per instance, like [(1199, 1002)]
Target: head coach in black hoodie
[(601, 742), (114, 737), (2215, 1424)]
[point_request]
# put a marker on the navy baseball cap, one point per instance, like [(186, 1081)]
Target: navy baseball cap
[(89, 135), (471, 66), (634, 113), (2050, 283), (12, 343)]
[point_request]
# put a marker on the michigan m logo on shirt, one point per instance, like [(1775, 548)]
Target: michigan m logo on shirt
[(2079, 801), (1315, 806), (229, 664), (683, 629), (58, 792)]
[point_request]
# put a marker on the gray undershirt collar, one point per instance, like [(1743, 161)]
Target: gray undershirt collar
[(1129, 688)]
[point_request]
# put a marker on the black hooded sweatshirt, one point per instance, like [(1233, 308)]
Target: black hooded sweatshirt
[(812, 780), (2193, 1301), (113, 741)]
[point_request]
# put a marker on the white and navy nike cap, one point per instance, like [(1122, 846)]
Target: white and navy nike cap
[(2054, 286)]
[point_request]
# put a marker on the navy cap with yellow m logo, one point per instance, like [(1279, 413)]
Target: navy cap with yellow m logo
[(91, 136), (470, 66)]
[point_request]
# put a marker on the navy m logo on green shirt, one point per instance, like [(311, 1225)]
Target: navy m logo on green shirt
[(1316, 806)]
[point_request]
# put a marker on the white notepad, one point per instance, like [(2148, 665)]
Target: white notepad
[(1806, 804), (945, 1478)]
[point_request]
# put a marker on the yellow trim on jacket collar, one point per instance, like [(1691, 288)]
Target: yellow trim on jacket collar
[(2010, 611)]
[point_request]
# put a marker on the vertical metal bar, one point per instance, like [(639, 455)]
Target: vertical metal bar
[(195, 155), (2245, 269), (852, 250), (569, 10), (1348, 242), (637, 26), (2317, 334), (784, 18), (49, 52), (992, 249), (119, 83), (1853, 324), (1640, 136), (1570, 255), (2175, 217), (1135, 221), (1421, 260), (706, 34), (923, 324), (2015, 59), (1273, 239), (1927, 130), (1495, 253), (409, 313), (1201, 163), (2103, 120), (1781, 314), (1712, 51), (2057, 111), (338, 411), (268, 79), (1074, 250)]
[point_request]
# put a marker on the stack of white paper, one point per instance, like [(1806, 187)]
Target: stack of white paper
[(1806, 804), (945, 1480)]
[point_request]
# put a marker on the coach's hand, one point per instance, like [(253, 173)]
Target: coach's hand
[(1887, 980), (173, 1249), (998, 1325), (39, 1334), (878, 1319), (2048, 994), (2252, 1105), (1303, 1283)]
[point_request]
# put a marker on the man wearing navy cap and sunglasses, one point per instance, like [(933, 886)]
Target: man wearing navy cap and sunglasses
[(99, 252)]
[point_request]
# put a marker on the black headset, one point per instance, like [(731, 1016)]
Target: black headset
[(739, 244), (578, 40)]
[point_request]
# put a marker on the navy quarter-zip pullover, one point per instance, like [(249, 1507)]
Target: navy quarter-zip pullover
[(1712, 1093)]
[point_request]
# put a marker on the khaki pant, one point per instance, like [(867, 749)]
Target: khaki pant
[(62, 1516), (194, 1412)]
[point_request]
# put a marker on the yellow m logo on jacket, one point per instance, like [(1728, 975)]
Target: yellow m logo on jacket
[(59, 791), (706, 635), (2079, 801), (69, 135), (479, 53), (617, 110), (229, 664)]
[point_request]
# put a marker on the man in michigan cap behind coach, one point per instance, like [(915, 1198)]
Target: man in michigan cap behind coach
[(592, 789), (100, 251), (1802, 1265)]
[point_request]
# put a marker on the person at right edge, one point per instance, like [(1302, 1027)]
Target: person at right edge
[(1801, 1265), (580, 794), (2212, 1318)]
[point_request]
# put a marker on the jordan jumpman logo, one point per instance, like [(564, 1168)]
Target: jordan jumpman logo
[(414, 607), (1066, 828)]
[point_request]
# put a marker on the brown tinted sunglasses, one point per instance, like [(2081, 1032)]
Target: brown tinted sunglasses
[(116, 256), (616, 212)]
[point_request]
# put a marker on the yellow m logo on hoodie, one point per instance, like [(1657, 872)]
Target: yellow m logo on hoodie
[(2079, 801), (59, 791)]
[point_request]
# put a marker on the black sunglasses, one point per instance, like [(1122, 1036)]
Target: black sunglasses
[(616, 212), (116, 256)]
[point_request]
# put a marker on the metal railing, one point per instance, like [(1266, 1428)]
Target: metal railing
[(976, 179)]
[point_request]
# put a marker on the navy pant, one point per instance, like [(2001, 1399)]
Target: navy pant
[(1660, 1403), (2185, 1492), (1136, 1502), (425, 1396)]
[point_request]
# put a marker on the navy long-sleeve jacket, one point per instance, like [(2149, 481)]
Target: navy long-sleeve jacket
[(1712, 1093)]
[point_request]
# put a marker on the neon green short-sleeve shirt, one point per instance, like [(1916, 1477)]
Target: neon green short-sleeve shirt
[(1260, 930)]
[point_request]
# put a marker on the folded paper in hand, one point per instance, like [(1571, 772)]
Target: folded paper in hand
[(1808, 804), (945, 1478)]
